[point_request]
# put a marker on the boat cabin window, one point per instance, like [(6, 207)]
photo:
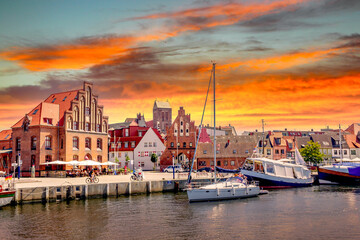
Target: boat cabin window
[(270, 168), (259, 167), (248, 165)]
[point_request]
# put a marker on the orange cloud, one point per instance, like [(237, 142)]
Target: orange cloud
[(87, 52)]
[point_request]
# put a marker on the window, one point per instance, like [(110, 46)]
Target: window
[(205, 152), (126, 144), (234, 151), (62, 143), (290, 145), (190, 144), (184, 144), (225, 163), (69, 123), (178, 144), (33, 143), (142, 154), (217, 151), (75, 157), (98, 128), (246, 151), (335, 152), (99, 158), (126, 132), (48, 158), (18, 144), (33, 157), (140, 134), (268, 151), (48, 142), (48, 121), (150, 144), (132, 144), (145, 144), (277, 151), (142, 164), (64, 98), (202, 163), (154, 144), (345, 152), (99, 143), (87, 111), (88, 143), (75, 143), (172, 144), (218, 163), (87, 126), (353, 152), (53, 100), (282, 151), (232, 163), (36, 110)]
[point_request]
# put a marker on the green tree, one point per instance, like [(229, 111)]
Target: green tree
[(311, 153), (154, 159)]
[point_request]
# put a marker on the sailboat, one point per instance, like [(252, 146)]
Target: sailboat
[(343, 172), (232, 188)]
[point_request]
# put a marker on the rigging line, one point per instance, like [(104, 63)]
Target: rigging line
[(202, 118)]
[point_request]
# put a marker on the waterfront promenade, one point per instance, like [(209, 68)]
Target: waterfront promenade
[(103, 179)]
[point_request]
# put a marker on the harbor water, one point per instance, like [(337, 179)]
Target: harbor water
[(319, 212)]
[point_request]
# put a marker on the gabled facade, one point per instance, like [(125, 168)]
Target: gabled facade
[(132, 142), (180, 141), (66, 126)]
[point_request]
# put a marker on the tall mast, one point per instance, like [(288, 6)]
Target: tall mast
[(341, 155), (214, 126), (263, 136)]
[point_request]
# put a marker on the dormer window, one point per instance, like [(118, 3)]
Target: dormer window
[(64, 98), (53, 100), (36, 110), (48, 121)]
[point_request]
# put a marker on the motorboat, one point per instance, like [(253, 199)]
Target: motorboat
[(277, 174)]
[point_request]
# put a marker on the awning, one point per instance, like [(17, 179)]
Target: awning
[(6, 151)]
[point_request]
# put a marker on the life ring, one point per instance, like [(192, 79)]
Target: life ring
[(0, 188)]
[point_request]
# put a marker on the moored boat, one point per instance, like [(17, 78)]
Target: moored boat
[(277, 174), (342, 173), (6, 197), (235, 187)]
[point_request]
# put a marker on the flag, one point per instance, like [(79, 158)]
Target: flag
[(254, 150), (8, 177), (227, 144)]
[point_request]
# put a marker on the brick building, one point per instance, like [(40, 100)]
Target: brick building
[(162, 116), (66, 126), (180, 141), (231, 151), (5, 150)]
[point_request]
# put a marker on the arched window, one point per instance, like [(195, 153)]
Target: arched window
[(76, 118), (99, 143), (75, 143), (82, 113), (70, 123), (88, 96), (33, 160), (184, 144), (75, 157), (48, 158), (93, 115), (98, 121), (88, 157), (87, 143), (18, 144), (187, 129), (48, 142), (33, 143), (104, 127)]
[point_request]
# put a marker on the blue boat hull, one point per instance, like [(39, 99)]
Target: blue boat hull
[(337, 177), (265, 183)]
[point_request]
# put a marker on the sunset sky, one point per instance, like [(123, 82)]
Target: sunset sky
[(295, 64)]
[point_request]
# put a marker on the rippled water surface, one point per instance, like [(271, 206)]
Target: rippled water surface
[(325, 212)]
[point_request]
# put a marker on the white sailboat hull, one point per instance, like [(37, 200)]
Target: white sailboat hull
[(217, 192)]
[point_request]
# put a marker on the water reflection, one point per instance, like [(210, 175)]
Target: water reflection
[(325, 212)]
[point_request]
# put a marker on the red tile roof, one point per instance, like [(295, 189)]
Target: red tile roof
[(62, 100), (5, 135)]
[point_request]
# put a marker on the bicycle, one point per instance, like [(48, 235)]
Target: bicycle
[(136, 176), (92, 180)]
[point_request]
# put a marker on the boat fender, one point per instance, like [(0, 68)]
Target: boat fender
[(0, 188), (217, 191)]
